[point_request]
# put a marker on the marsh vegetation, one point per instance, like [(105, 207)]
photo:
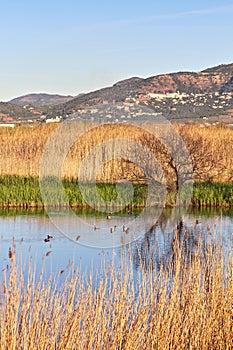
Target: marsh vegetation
[(185, 304)]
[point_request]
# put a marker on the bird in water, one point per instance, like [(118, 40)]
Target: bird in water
[(10, 254), (113, 229), (47, 239)]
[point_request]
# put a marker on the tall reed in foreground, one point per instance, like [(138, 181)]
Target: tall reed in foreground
[(185, 305)]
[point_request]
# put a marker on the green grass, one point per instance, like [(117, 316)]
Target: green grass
[(20, 191), (212, 194)]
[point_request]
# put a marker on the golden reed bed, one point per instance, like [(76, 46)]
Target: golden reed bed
[(182, 306), (210, 149)]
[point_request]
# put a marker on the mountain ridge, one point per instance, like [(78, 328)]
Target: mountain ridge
[(41, 99), (181, 94), (209, 82)]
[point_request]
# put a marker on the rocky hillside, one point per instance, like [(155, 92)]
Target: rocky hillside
[(40, 99), (208, 81), (175, 95), (10, 112), (181, 95)]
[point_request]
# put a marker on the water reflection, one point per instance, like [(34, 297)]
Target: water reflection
[(151, 249), (195, 230)]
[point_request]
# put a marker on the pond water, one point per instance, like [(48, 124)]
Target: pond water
[(93, 236)]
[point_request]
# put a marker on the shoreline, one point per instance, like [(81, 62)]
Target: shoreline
[(83, 206)]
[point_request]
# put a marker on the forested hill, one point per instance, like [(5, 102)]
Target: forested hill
[(182, 94), (41, 99), (177, 95)]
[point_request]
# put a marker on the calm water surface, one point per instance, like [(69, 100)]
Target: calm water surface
[(86, 244)]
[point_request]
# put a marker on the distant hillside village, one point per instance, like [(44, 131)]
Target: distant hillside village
[(217, 108), (185, 96), (35, 118)]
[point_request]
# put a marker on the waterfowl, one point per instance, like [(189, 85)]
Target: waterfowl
[(127, 230), (10, 254)]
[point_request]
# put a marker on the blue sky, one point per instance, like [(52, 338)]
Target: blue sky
[(69, 47)]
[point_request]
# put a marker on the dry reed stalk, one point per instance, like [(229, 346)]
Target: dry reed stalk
[(185, 305), (21, 150)]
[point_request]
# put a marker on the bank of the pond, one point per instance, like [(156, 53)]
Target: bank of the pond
[(20, 191)]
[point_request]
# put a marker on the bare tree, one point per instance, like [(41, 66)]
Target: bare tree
[(164, 162), (206, 165)]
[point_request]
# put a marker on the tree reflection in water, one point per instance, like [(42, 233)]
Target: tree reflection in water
[(170, 234)]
